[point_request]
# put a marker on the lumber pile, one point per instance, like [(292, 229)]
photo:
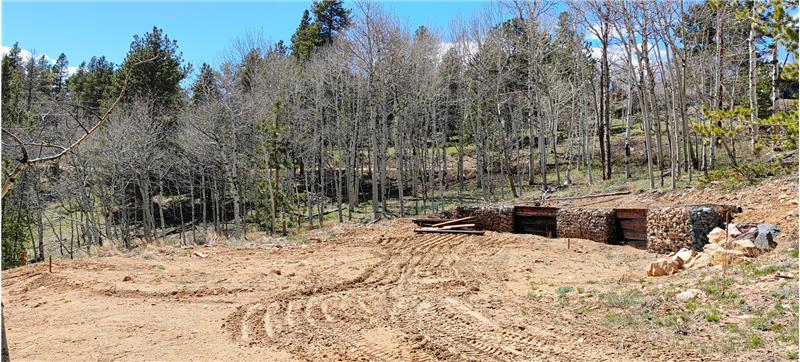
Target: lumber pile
[(464, 225)]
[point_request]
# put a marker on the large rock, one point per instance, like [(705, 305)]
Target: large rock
[(720, 256), (747, 247), (664, 267), (762, 235), (685, 255), (717, 236), (700, 260)]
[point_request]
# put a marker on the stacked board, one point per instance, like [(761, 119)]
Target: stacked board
[(538, 220), (632, 226)]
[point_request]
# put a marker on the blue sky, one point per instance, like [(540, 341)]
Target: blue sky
[(203, 29)]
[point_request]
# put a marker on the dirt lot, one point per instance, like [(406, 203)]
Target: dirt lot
[(380, 292)]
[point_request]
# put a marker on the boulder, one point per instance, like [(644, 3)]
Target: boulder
[(766, 235), (745, 246), (716, 236), (761, 235), (685, 255), (700, 260), (690, 294), (720, 256), (733, 231), (663, 267)]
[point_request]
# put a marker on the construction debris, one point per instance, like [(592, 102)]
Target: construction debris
[(455, 226), (443, 231)]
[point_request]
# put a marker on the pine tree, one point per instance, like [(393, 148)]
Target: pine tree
[(332, 18), (248, 72), (60, 74), (306, 38), (12, 109), (205, 88), (44, 77), (93, 84), (159, 77)]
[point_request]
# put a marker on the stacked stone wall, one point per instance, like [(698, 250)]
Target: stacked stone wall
[(591, 224), (672, 228), (498, 218)]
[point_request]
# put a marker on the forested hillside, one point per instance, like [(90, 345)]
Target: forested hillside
[(357, 118)]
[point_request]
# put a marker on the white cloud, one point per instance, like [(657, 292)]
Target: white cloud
[(23, 53), (471, 48), (26, 55)]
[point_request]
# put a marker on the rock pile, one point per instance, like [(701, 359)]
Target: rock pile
[(667, 229), (739, 244), (592, 224), (498, 218)]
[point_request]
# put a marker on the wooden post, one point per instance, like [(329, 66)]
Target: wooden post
[(568, 240), (50, 264)]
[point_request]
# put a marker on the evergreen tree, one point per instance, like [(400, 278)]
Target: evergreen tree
[(12, 108), (306, 38), (249, 69), (44, 77), (158, 78), (332, 18), (93, 84), (60, 75), (280, 49), (205, 88)]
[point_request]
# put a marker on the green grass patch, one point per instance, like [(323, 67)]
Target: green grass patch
[(760, 323), (622, 299), (757, 270), (754, 341), (619, 320), (562, 291), (712, 315)]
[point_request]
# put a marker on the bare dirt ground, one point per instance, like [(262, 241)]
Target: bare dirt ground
[(381, 292)]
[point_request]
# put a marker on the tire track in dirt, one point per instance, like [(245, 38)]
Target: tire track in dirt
[(328, 312)]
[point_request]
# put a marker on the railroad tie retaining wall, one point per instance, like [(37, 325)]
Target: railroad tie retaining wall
[(592, 224)]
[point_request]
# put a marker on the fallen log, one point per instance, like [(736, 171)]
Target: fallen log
[(454, 221), (437, 230), (589, 196)]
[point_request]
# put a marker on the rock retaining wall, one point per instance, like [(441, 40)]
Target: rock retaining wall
[(667, 229), (498, 218), (592, 224), (671, 228)]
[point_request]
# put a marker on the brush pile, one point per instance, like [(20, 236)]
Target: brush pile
[(464, 225)]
